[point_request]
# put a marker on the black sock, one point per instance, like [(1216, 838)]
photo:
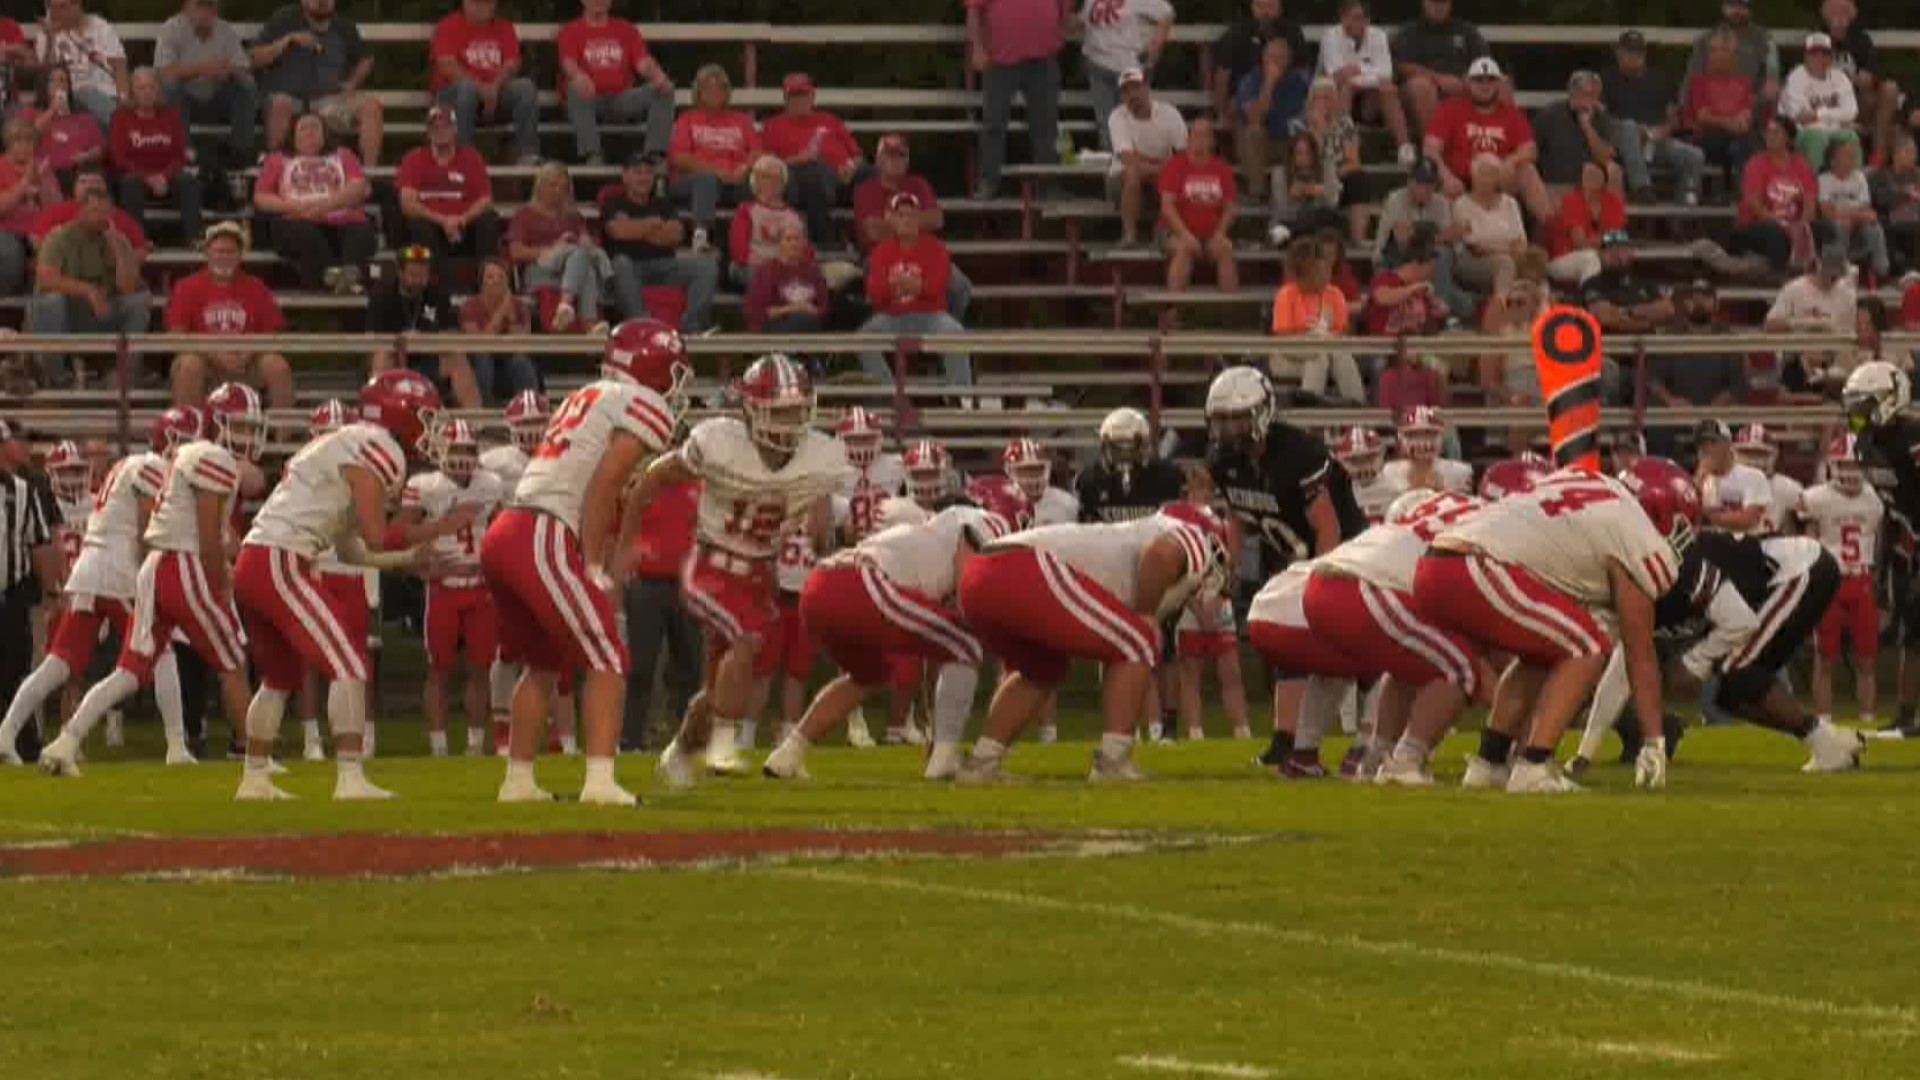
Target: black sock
[(1169, 722), (1495, 748), (1538, 755), (1805, 727), (1278, 748), (1904, 717)]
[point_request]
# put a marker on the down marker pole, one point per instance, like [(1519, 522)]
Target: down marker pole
[(1566, 354)]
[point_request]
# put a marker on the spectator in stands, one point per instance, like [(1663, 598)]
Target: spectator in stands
[(312, 60), (1778, 198), (1491, 232), (819, 152), (1820, 99), (495, 311), (1305, 196), (1144, 133), (1855, 57), (1572, 132), (1015, 46), (223, 300), (1355, 55), (788, 295), (1406, 210), (872, 221), (606, 73), (412, 302), (754, 237), (147, 150), (27, 186), (1846, 209), (1678, 381), (1338, 140), (61, 213), (1115, 38), (1309, 305), (476, 71), (1408, 382), (1755, 57), (1589, 212), (1242, 51), (1511, 377), (312, 201), (16, 55), (446, 195), (556, 251), (87, 277), (713, 147), (69, 137), (1198, 202), (207, 74), (1434, 55), (1267, 105), (907, 286), (1484, 123), (1896, 198), (1622, 301), (1721, 103), (643, 235), (89, 51), (1644, 108), (1819, 302)]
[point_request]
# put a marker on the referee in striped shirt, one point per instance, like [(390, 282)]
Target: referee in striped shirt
[(28, 566)]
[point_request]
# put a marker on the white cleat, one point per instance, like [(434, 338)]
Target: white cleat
[(858, 736), (943, 762), (979, 770), (1834, 749), (913, 734), (61, 758), (1539, 778), (729, 764), (180, 755), (1114, 770), (259, 787), (1396, 773), (783, 764), (314, 750), (1049, 734), (355, 787), (116, 729), (518, 789), (274, 768), (607, 793), (10, 756), (1483, 775), (676, 769)]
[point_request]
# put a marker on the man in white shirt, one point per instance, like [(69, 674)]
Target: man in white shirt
[(1144, 134), (1117, 36), (1820, 98), (1733, 497), (1820, 302), (1355, 54), (87, 46)]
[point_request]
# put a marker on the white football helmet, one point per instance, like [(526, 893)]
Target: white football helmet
[(1126, 439), (456, 450), (1874, 395), (1239, 406)]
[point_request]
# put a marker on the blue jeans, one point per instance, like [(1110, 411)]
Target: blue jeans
[(516, 372), (814, 190), (53, 314), (13, 264), (101, 105), (702, 193), (1685, 159), (232, 104), (626, 107), (1459, 302), (518, 102), (1105, 87), (959, 294), (958, 366), (578, 277), (185, 193), (1038, 84), (698, 274)]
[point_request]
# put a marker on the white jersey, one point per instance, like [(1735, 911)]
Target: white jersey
[(901, 510), (1453, 476), (72, 528), (1793, 556), (1786, 498), (1743, 486), (1055, 507), (436, 496), (110, 549), (1387, 555), (509, 463), (1374, 498), (313, 506), (1282, 601), (1109, 553), (795, 560), (745, 506), (1567, 532), (857, 507), (555, 481), (1219, 613), (919, 556), (198, 466), (1848, 526)]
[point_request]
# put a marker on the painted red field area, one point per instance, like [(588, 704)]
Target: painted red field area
[(376, 855)]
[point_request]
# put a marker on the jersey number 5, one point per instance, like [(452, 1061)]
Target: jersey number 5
[(573, 412)]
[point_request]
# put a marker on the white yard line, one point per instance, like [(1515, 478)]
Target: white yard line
[(1650, 1052), (1167, 1064), (1683, 989), (67, 829), (748, 1075)]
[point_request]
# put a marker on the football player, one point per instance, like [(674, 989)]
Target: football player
[(1129, 481), (1845, 515), (872, 497), (1362, 454), (1513, 476), (1875, 396), (71, 476), (1754, 447), (1420, 467), (526, 416), (1026, 463), (930, 482), (351, 588)]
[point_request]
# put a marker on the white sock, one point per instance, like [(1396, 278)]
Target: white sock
[(599, 771), (437, 743), (519, 771), (500, 680), (1115, 746), (569, 745), (51, 675), (166, 694), (107, 694), (987, 748), (310, 730), (1319, 705), (476, 736), (784, 731), (748, 729), (1411, 750), (720, 743), (953, 693), (349, 765)]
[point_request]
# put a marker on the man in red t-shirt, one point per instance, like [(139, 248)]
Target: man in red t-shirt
[(871, 224), (600, 56), (656, 619), (1198, 197), (446, 197), (226, 301), (1485, 122), (907, 286), (820, 153), (476, 71)]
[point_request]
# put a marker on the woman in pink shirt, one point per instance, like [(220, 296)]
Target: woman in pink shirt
[(69, 137), (313, 200), (1778, 198), (713, 147), (27, 186), (788, 295)]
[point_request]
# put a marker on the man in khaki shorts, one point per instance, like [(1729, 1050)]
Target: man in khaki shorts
[(1145, 133), (313, 60)]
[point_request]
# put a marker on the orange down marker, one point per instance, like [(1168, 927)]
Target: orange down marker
[(1566, 353)]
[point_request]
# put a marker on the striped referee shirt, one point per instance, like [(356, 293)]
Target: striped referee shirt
[(26, 523)]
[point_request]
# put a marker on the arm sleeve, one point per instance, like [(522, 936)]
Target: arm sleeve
[(1848, 108), (1793, 95), (1609, 700)]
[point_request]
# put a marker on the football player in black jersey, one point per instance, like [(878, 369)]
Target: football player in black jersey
[(1129, 481), (1875, 395)]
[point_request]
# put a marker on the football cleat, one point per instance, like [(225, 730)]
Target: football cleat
[(522, 789), (676, 769), (1539, 778), (61, 757), (979, 770), (1397, 773), (1114, 769), (259, 787), (943, 762), (355, 787), (606, 793), (1483, 774), (1834, 749)]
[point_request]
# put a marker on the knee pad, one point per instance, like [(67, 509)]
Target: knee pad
[(264, 713), (347, 707)]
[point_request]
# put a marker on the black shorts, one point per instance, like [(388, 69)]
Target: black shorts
[(1787, 622)]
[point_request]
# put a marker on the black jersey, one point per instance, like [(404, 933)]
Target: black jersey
[(1890, 457), (1107, 494), (1271, 496), (1681, 612)]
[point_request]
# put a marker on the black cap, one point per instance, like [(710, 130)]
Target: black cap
[(1712, 431), (1633, 41), (652, 159), (1424, 171)]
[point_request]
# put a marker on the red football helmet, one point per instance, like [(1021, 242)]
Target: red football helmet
[(777, 397), (1025, 463), (929, 471), (859, 432), (407, 405), (173, 429), (650, 353), (1360, 452), (1668, 495), (237, 420), (456, 450), (1215, 531), (527, 416), (1420, 430), (69, 470), (1754, 446), (331, 416), (1515, 476), (1843, 464)]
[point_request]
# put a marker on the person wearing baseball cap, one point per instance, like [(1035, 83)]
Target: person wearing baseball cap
[(644, 237), (1432, 53), (1641, 101), (1822, 302), (1485, 122), (1406, 211), (1733, 496), (412, 302), (1820, 98), (223, 300), (1622, 301), (1145, 134), (446, 194), (821, 155), (907, 287), (872, 222)]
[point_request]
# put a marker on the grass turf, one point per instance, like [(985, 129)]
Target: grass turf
[(1751, 922)]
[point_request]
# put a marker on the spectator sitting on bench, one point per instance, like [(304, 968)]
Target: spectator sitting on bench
[(556, 251), (1483, 123), (1309, 305), (1492, 233), (446, 194), (1145, 133), (872, 219), (1755, 57), (1433, 55), (207, 73), (1820, 99), (69, 138), (1846, 209), (1854, 53), (1266, 105), (412, 302), (61, 213), (312, 60), (1511, 377), (89, 51), (819, 152), (1588, 213), (1304, 198), (147, 148), (27, 187), (1241, 52), (1779, 197), (1896, 197), (1720, 106), (788, 295), (713, 148), (1116, 38), (312, 201), (1644, 108), (1355, 54), (754, 237), (476, 73), (1574, 132), (599, 58), (223, 300), (907, 286), (1338, 142), (643, 235), (495, 311), (1401, 216), (1198, 203), (1622, 301), (1403, 299), (87, 276)]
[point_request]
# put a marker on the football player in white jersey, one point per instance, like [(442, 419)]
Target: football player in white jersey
[(1042, 598), (787, 657), (1206, 631), (930, 481), (1754, 446), (351, 588), (1734, 497), (71, 477), (1420, 466), (763, 474), (1844, 514), (552, 557), (1534, 575), (1361, 452), (186, 581), (526, 416), (459, 610), (100, 587), (1026, 463), (876, 476)]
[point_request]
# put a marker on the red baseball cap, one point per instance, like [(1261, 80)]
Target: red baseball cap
[(797, 83)]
